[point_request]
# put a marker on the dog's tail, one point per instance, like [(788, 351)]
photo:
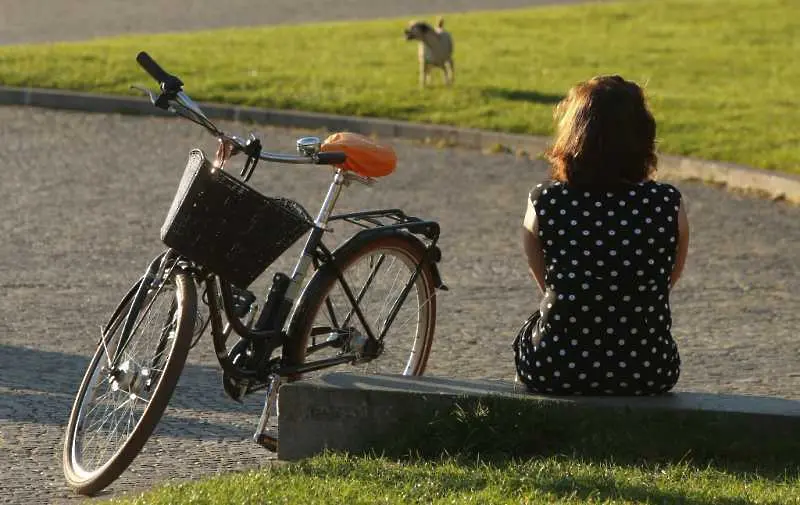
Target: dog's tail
[(440, 22)]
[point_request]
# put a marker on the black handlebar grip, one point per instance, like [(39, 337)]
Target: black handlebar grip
[(331, 158), (152, 68)]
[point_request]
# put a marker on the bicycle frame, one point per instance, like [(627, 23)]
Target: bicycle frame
[(272, 334), (278, 311), (142, 378), (269, 332)]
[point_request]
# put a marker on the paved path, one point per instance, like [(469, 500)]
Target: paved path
[(83, 197), (22, 21)]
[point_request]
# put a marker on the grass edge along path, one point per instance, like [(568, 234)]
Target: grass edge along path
[(719, 74), (343, 479), (512, 451)]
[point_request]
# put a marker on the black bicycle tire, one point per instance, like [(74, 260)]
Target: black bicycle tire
[(186, 294), (294, 350)]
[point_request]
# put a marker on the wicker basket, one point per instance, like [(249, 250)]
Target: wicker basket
[(232, 229)]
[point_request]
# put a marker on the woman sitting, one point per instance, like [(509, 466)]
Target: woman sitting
[(605, 243)]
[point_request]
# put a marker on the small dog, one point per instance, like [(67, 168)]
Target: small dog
[(435, 49)]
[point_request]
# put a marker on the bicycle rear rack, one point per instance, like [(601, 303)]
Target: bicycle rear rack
[(391, 219), (379, 221)]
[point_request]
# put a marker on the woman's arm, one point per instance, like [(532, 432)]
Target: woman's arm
[(683, 246), (533, 246)]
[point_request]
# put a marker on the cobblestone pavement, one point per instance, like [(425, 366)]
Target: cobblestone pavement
[(82, 200), (22, 21)]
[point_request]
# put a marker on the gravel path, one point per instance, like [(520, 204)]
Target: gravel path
[(22, 21), (83, 197)]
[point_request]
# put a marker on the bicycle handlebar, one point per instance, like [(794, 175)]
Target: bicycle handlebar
[(151, 67), (172, 91), (321, 158), (331, 158)]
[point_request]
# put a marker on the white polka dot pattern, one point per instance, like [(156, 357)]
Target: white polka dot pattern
[(608, 257)]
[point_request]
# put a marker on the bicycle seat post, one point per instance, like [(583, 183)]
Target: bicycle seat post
[(320, 226)]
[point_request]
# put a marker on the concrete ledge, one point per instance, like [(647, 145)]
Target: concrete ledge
[(358, 413), (764, 183)]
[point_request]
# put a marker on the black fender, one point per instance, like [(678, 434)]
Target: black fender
[(407, 231)]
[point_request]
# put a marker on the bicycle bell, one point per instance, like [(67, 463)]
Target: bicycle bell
[(308, 146)]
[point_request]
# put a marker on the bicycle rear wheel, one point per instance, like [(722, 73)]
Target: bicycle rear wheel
[(377, 271), (117, 407)]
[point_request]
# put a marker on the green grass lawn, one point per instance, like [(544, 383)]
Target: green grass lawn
[(511, 452), (721, 75), (336, 479)]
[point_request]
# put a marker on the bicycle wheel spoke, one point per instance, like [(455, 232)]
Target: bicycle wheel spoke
[(99, 424), (137, 397), (98, 400), (412, 315), (386, 303), (103, 339), (112, 432), (373, 271), (397, 304), (115, 400), (148, 306), (150, 318)]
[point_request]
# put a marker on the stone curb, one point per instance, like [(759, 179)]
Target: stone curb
[(764, 183), (356, 413)]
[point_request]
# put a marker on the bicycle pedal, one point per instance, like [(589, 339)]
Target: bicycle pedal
[(242, 300)]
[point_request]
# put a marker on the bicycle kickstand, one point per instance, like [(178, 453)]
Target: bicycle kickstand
[(263, 436)]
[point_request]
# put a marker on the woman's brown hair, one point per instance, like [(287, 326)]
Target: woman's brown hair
[(605, 134)]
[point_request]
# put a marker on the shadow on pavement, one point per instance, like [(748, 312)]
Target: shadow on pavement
[(39, 387)]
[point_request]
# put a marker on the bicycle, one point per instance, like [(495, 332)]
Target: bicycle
[(221, 234)]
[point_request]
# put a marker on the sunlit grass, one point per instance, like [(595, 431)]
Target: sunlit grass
[(720, 74), (500, 450), (333, 479)]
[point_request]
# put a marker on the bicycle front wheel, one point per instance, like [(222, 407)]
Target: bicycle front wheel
[(377, 272), (118, 405)]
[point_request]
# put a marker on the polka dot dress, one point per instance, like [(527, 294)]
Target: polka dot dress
[(605, 317)]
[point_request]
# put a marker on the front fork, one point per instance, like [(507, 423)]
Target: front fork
[(153, 278), (128, 375)]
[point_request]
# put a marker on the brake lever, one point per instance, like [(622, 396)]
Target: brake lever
[(161, 100), (253, 150), (146, 91)]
